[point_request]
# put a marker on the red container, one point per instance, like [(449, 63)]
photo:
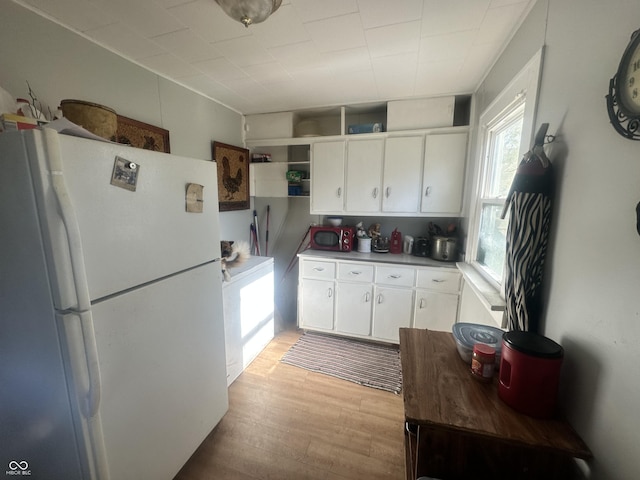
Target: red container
[(530, 373), (395, 245), (483, 362)]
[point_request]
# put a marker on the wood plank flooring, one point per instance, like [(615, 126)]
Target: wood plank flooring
[(288, 423)]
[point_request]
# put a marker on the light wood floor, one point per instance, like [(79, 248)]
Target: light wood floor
[(288, 423)]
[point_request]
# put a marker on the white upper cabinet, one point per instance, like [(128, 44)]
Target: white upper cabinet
[(268, 179), (401, 176), (364, 175), (416, 168), (443, 178), (327, 177)]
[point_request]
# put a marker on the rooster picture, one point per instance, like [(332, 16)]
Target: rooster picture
[(231, 184)]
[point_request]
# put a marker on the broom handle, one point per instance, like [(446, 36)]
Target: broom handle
[(295, 255)]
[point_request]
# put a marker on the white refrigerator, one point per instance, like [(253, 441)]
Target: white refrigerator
[(112, 361)]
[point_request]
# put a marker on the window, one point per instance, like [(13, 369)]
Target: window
[(505, 134), (502, 147)]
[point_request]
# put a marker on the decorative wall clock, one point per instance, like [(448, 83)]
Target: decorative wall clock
[(623, 100)]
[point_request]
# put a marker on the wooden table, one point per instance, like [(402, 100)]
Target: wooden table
[(458, 428)]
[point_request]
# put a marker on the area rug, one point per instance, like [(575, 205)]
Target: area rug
[(369, 364)]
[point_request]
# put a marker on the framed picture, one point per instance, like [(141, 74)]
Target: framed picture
[(142, 135), (233, 176)]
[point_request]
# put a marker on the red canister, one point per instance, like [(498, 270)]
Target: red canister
[(530, 373), (395, 244)]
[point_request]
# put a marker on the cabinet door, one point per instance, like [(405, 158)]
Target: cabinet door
[(435, 311), (364, 175), (443, 178), (316, 304), (391, 310), (401, 176), (268, 179), (327, 177), (353, 308)]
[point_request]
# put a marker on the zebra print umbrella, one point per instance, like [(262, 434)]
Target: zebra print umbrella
[(529, 206)]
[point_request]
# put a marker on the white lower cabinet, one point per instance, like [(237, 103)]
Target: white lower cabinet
[(316, 303), (354, 298), (392, 310), (374, 300), (435, 310), (353, 308)]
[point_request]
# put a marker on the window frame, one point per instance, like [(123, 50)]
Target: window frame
[(523, 89), (484, 198)]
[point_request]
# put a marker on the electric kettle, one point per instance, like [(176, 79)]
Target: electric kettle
[(407, 246)]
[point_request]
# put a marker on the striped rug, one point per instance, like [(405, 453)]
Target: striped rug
[(369, 364)]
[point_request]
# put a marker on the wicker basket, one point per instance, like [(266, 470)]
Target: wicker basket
[(98, 119)]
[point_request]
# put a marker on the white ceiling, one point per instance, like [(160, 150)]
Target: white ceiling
[(309, 53)]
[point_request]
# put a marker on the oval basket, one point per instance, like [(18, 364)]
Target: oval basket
[(98, 119)]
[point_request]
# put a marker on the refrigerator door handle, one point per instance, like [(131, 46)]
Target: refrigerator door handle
[(93, 369), (70, 222), (76, 326), (83, 310)]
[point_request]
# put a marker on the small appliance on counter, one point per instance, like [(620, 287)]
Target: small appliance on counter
[(380, 244), (395, 244), (444, 248), (530, 373), (338, 239), (407, 245), (421, 247)]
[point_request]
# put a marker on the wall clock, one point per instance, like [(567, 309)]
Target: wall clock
[(623, 100)]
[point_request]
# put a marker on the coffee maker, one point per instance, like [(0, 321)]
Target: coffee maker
[(421, 247)]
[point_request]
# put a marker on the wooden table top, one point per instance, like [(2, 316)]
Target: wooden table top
[(439, 391)]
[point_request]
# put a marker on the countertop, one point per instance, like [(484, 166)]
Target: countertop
[(398, 259), (247, 267)]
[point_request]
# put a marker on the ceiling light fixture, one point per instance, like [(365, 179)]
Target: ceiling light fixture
[(249, 12)]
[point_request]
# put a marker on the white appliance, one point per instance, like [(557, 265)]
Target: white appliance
[(112, 360)]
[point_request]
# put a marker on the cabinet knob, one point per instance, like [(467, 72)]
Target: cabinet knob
[(380, 298), (319, 269), (339, 192), (388, 192), (367, 297), (422, 303), (395, 276), (437, 280), (375, 192), (355, 272), (330, 292), (427, 191)]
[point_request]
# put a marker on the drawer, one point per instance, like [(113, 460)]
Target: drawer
[(317, 269), (394, 275), (355, 272), (439, 280)]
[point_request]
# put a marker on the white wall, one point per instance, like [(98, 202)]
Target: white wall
[(60, 64), (593, 266)]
